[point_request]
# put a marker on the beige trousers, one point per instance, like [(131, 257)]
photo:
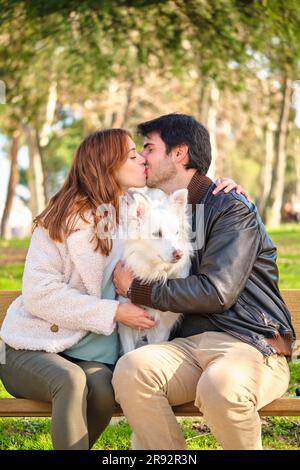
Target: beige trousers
[(228, 380)]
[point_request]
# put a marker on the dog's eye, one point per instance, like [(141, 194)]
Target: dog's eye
[(157, 234)]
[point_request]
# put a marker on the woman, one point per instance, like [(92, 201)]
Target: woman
[(61, 335)]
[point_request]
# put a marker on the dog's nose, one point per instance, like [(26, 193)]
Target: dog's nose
[(177, 254)]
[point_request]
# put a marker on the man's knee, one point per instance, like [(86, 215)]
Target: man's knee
[(124, 373), (222, 389), (134, 370)]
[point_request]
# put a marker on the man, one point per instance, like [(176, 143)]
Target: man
[(228, 355)]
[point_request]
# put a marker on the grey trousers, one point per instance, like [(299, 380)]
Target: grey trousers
[(80, 391)]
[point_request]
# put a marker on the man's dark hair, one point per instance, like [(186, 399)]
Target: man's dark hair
[(177, 129)]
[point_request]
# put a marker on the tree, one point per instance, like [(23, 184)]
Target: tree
[(13, 181)]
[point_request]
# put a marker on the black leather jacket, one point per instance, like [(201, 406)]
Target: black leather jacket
[(232, 285)]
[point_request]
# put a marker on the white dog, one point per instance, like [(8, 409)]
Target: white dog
[(157, 248)]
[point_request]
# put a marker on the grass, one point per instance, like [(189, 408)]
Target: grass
[(34, 433), (12, 256), (11, 276), (287, 240), (14, 243), (277, 432)]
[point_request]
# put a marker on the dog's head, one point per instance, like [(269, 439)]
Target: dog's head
[(159, 230)]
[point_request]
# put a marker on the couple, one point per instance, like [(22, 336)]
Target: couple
[(229, 353)]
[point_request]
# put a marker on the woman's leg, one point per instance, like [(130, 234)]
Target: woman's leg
[(43, 376), (100, 399)]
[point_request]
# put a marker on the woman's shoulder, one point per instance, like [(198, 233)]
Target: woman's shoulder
[(80, 222), (41, 235)]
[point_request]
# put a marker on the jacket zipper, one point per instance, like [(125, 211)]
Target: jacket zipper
[(269, 323), (265, 320), (263, 316)]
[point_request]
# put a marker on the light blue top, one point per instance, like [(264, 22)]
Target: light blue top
[(101, 348)]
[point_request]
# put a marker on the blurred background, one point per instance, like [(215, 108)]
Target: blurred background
[(69, 67)]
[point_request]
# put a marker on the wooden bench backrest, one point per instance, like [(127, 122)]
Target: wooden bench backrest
[(291, 297)]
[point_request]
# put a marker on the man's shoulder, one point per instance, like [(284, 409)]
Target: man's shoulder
[(225, 201)]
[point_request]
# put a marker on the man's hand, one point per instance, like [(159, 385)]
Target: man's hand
[(227, 184), (122, 279)]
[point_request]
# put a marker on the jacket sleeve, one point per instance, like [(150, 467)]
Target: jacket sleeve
[(47, 296), (228, 258)]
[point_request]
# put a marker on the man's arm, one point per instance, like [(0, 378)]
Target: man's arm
[(226, 264)]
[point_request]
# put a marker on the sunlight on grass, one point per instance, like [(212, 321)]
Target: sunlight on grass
[(11, 276), (14, 243), (287, 240)]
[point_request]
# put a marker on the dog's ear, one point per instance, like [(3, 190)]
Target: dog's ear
[(139, 206), (135, 192), (179, 199)]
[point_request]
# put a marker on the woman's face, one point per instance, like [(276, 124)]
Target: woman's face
[(132, 173)]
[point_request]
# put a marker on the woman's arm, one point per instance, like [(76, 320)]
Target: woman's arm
[(47, 296)]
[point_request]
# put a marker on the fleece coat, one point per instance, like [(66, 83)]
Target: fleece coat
[(61, 294)]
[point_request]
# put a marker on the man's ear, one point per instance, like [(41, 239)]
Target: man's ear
[(181, 153), (179, 199)]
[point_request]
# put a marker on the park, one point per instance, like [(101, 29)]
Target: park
[(69, 69)]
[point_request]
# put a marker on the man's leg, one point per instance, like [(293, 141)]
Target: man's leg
[(147, 382), (237, 381)]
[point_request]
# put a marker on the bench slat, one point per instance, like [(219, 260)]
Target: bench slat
[(18, 407), (6, 298), (290, 296), (15, 407)]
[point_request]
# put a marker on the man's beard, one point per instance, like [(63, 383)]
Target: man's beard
[(164, 173)]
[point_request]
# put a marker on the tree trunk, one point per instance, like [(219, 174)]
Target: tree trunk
[(35, 175), (129, 96), (43, 137), (212, 128), (203, 103), (274, 214), (13, 181), (297, 166), (110, 116), (267, 171), (44, 168), (121, 116)]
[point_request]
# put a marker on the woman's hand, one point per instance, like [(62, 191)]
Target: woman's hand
[(134, 316), (227, 184), (122, 279)]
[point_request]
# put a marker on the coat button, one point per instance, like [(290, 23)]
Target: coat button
[(54, 328)]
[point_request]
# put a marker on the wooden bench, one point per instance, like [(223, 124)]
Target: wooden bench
[(286, 406)]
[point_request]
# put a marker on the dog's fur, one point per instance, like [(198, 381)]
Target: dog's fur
[(156, 229)]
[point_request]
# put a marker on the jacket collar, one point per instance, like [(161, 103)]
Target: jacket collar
[(198, 187)]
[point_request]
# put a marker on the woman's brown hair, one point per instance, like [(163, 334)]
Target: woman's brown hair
[(91, 182)]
